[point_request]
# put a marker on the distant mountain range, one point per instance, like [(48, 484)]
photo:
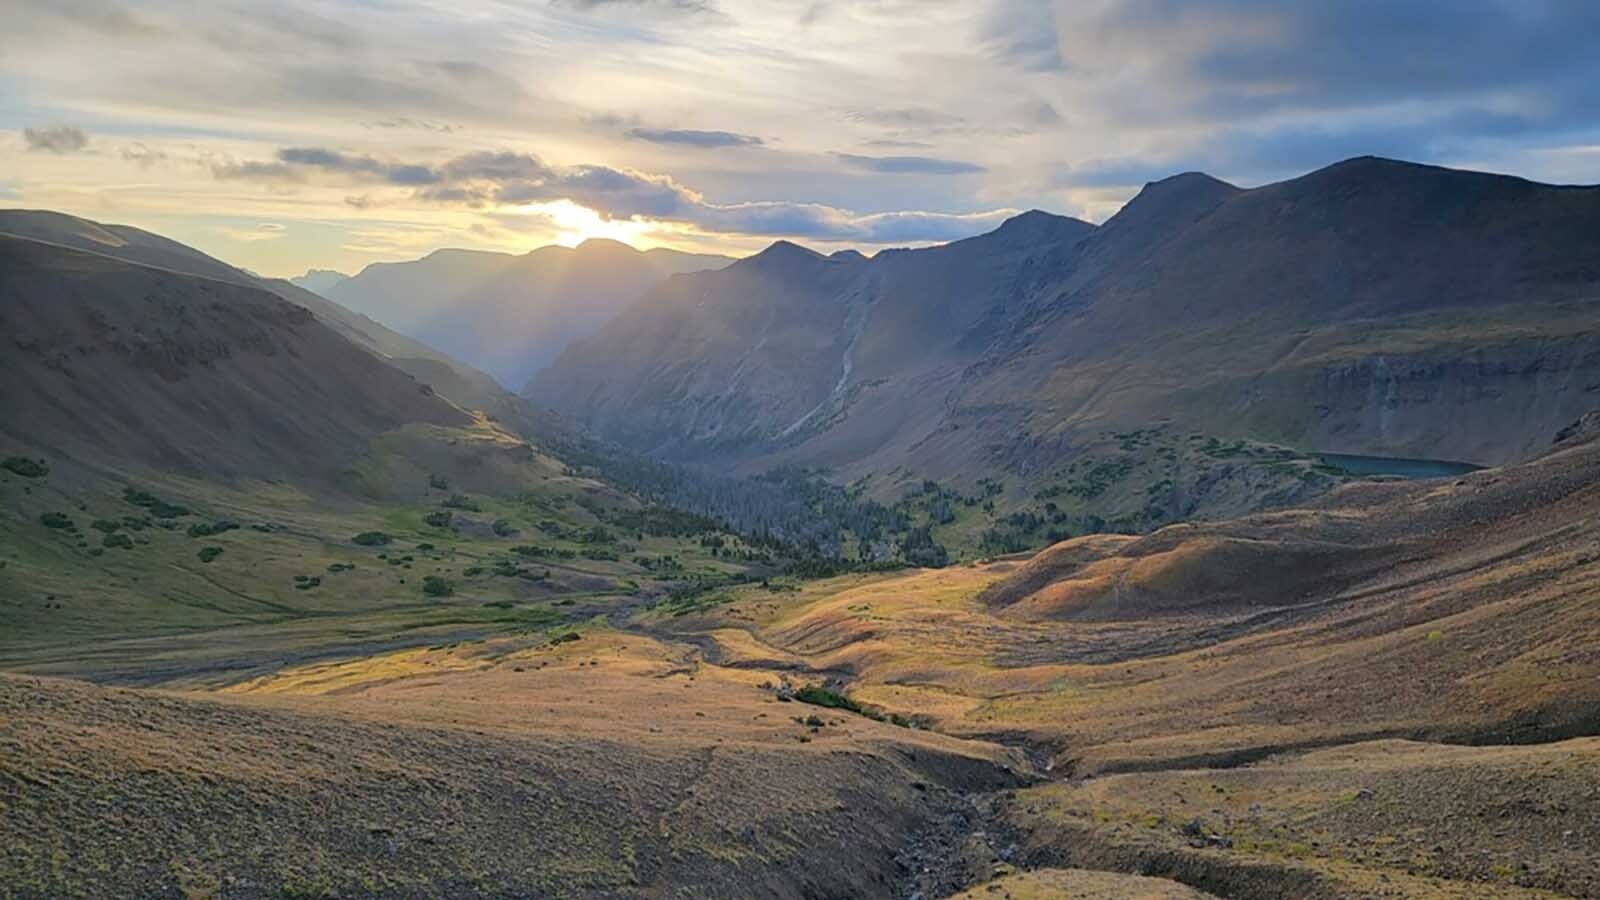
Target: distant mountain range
[(1372, 307), (509, 315), (319, 281)]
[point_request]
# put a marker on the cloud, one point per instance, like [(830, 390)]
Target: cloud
[(500, 179), (143, 156), (691, 138), (58, 139), (908, 165), (261, 231), (687, 6), (1022, 33), (411, 123)]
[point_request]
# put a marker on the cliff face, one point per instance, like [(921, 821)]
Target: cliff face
[(1490, 402)]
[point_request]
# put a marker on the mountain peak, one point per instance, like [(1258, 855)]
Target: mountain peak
[(783, 253), (604, 246), (1174, 200)]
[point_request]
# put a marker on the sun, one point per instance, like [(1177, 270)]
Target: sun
[(576, 223)]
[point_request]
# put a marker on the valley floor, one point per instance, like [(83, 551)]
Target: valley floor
[(1394, 693)]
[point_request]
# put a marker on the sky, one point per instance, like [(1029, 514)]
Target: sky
[(297, 134)]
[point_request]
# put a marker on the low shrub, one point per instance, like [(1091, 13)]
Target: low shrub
[(435, 586), (203, 529), (207, 554), (105, 525), (817, 695), (117, 539), (158, 507), (372, 539), (503, 528), (27, 468), (57, 520), (438, 519)]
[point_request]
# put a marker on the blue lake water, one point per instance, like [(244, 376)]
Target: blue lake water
[(1389, 465)]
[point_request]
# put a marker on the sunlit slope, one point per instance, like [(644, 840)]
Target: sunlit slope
[(598, 766), (1458, 609)]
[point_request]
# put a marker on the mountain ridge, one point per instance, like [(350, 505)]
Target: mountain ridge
[(1257, 313)]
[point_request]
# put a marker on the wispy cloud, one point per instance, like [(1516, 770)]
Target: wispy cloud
[(55, 139), (262, 231), (908, 165), (691, 138)]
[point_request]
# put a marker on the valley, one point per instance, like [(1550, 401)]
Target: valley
[(998, 568)]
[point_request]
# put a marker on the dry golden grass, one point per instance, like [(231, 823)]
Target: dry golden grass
[(1079, 884), (1426, 820)]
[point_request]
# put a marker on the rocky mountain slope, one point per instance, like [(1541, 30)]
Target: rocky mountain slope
[(1373, 307), (511, 315)]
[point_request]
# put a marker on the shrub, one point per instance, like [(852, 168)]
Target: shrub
[(117, 539), (435, 586), (565, 638), (27, 468), (460, 501), (57, 520), (503, 528), (438, 519), (105, 525), (817, 695), (341, 567), (207, 554), (306, 582), (439, 482), (159, 508), (372, 539), (201, 529)]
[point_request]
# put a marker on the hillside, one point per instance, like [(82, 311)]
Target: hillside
[(462, 384), (507, 314), (126, 365), (201, 469), (1373, 307), (1313, 702)]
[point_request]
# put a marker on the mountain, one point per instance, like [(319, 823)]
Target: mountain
[(1373, 307), (781, 349), (319, 281), (511, 315), (455, 380), (125, 364)]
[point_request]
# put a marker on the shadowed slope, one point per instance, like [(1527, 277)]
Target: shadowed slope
[(134, 365), (1372, 307)]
